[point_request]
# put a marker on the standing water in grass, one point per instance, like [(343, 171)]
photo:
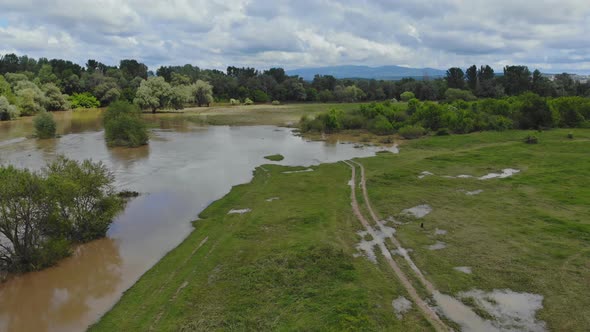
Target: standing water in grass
[(183, 170)]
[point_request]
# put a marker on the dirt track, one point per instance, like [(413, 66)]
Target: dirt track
[(428, 312)]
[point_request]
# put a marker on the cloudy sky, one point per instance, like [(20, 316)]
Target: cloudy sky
[(547, 34)]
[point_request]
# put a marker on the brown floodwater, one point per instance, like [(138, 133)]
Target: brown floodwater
[(184, 169)]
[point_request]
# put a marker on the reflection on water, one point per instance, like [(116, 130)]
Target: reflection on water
[(183, 170)]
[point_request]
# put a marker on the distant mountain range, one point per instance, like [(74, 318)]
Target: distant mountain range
[(381, 73)]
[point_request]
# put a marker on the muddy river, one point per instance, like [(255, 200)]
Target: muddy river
[(184, 169)]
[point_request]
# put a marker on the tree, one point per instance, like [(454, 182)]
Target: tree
[(564, 85), (325, 96), (45, 125), (541, 85), (132, 68), (486, 86), (407, 96), (456, 94), (24, 214), (277, 73), (123, 125), (7, 110), (84, 100), (55, 100), (202, 93), (471, 75), (153, 93), (259, 96), (84, 197), (455, 78), (517, 79), (533, 112), (46, 75), (30, 99)]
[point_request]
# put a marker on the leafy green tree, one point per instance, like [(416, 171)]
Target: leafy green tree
[(123, 125), (471, 75), (380, 125), (564, 85), (202, 93), (542, 85), (30, 99), (45, 126), (46, 75), (84, 197), (179, 79), (533, 112), (260, 96), (83, 100), (407, 96), (24, 213), (7, 110), (456, 94), (325, 96), (154, 93), (55, 100), (517, 79), (455, 78)]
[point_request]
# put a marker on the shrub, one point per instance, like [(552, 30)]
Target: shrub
[(407, 96), (83, 100), (44, 125), (456, 94), (442, 132), (530, 139), (570, 135), (123, 125), (260, 96), (56, 101), (352, 121), (325, 96), (7, 111), (248, 101), (234, 102), (276, 102), (411, 132), (381, 126)]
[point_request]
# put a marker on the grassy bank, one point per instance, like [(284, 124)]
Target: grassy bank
[(289, 263)]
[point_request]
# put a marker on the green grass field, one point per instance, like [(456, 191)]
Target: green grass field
[(289, 263)]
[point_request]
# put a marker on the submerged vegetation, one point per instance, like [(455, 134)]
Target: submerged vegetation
[(123, 125), (275, 157), (45, 126), (43, 213)]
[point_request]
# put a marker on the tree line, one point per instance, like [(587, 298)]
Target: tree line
[(29, 86)]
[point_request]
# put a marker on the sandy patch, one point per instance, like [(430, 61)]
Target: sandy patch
[(401, 305), (419, 211)]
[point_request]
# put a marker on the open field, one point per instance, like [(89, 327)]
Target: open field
[(290, 263)]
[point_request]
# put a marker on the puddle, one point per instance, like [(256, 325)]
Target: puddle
[(272, 199), (440, 232), (402, 251), (401, 305), (507, 172), (302, 171), (512, 311), (419, 211), (464, 269), (378, 236), (424, 174), (473, 193), (437, 246), (239, 211)]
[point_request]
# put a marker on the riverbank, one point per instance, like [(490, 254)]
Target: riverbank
[(286, 256)]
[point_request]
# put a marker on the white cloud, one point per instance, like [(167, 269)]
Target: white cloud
[(214, 33)]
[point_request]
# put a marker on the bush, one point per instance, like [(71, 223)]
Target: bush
[(442, 132), (276, 102), (234, 102), (123, 125), (7, 111), (83, 100), (570, 135), (456, 94), (411, 132), (381, 126), (260, 96), (407, 96), (325, 96), (248, 101), (44, 124), (352, 121), (68, 202), (530, 139)]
